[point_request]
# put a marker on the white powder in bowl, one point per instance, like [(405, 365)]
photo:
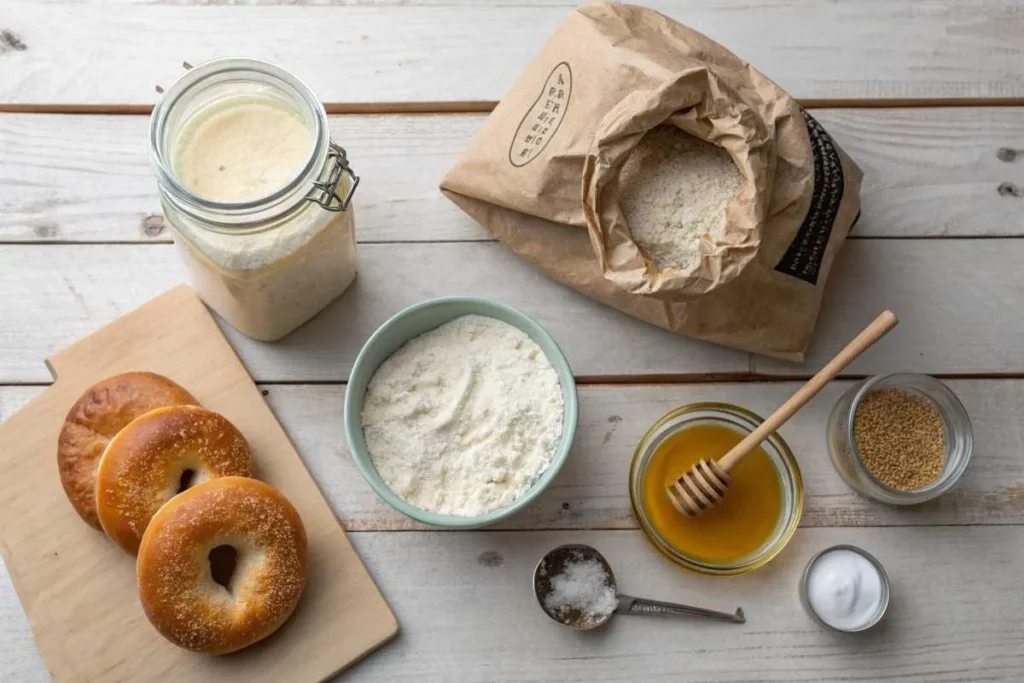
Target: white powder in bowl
[(463, 419), (675, 190)]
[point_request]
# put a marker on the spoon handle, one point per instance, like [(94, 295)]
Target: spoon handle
[(878, 328), (631, 605)]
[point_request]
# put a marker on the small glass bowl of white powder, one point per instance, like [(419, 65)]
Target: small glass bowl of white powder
[(460, 411), (845, 588)]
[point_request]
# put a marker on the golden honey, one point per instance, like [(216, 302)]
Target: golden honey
[(741, 522)]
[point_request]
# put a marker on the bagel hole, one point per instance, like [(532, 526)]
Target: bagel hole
[(223, 560), (186, 479)]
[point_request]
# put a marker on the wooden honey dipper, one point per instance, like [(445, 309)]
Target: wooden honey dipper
[(704, 484)]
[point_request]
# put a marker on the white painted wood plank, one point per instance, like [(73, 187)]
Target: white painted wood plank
[(338, 3), (935, 172), (929, 172), (88, 178), (468, 613), (52, 295), (956, 299), (72, 53), (592, 489), (19, 659), (591, 492)]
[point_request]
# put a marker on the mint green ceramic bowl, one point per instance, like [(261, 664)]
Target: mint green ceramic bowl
[(414, 321)]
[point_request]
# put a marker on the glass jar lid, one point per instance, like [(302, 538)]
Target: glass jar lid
[(326, 177)]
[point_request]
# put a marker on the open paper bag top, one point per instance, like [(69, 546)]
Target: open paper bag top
[(549, 159)]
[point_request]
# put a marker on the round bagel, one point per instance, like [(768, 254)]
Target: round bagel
[(158, 455), (96, 417), (179, 586)]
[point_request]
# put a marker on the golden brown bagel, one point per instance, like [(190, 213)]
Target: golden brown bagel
[(96, 417), (157, 456), (176, 578)]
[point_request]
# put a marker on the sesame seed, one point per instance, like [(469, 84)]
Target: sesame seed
[(901, 438)]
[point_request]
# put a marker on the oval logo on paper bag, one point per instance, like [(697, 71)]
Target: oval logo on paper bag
[(541, 122)]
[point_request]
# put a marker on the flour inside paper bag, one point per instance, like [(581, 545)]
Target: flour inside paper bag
[(549, 175)]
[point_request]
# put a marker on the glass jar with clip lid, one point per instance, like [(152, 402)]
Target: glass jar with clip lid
[(257, 195)]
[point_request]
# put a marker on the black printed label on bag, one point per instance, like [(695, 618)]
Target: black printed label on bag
[(805, 253), (541, 121)]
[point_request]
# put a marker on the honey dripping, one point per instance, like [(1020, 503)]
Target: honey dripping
[(741, 523)]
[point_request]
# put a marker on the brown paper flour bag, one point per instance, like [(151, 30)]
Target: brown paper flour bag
[(543, 175)]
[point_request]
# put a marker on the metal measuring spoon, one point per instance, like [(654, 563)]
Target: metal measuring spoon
[(554, 563)]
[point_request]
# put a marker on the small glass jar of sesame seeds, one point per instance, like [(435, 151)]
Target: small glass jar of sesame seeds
[(900, 439)]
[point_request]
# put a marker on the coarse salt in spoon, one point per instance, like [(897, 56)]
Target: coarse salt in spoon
[(575, 586)]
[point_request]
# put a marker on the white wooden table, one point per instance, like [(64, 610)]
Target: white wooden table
[(928, 97)]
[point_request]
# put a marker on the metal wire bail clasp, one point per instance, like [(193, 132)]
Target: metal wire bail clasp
[(326, 192)]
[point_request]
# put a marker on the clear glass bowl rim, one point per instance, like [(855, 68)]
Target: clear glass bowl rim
[(777, 442), (949, 476), (883, 577)]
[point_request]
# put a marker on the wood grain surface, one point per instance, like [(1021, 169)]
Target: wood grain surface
[(955, 297), (66, 52), (940, 241), (468, 613), (81, 178), (591, 491)]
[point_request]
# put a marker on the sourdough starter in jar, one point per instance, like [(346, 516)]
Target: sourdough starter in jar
[(243, 149), (236, 174)]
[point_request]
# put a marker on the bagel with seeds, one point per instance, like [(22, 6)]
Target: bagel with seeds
[(157, 456), (216, 610), (103, 410)]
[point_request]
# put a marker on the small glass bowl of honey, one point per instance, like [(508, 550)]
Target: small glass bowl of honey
[(750, 525)]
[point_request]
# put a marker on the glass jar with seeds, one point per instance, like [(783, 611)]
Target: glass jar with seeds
[(900, 439)]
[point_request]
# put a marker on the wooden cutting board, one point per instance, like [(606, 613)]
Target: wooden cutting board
[(78, 588)]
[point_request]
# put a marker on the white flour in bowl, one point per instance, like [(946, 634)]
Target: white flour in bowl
[(463, 419), (675, 190)]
